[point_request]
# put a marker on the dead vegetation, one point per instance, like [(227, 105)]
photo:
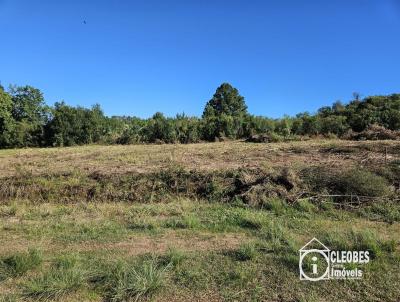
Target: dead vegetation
[(203, 157), (288, 171)]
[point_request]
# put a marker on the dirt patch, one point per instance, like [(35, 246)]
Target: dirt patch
[(143, 244)]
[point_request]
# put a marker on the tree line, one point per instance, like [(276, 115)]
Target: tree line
[(27, 121)]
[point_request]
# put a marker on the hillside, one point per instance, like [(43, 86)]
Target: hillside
[(199, 222)]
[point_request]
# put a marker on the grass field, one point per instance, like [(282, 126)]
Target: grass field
[(202, 222)]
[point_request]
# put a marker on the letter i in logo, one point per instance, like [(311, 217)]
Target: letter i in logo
[(314, 265)]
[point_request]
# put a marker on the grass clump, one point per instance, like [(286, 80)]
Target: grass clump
[(185, 222), (349, 182), (8, 211), (8, 298), (249, 222), (141, 225), (359, 240), (19, 263), (124, 281), (173, 257), (63, 278), (384, 211), (246, 251), (304, 205), (88, 231), (275, 237), (275, 205)]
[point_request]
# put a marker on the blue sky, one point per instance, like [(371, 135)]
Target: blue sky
[(139, 57)]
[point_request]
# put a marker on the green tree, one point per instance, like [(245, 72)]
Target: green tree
[(30, 113), (7, 123), (224, 114), (226, 100), (74, 125), (159, 128)]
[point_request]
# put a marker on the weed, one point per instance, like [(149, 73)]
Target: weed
[(359, 240), (72, 232)]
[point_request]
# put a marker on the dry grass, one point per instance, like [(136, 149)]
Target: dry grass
[(204, 156)]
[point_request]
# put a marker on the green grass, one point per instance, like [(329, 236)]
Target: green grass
[(173, 256), (124, 281), (55, 283), (118, 251), (246, 251), (19, 263)]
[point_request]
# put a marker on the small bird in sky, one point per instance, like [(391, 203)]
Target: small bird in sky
[(84, 21)]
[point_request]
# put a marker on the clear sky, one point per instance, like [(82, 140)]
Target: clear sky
[(139, 57)]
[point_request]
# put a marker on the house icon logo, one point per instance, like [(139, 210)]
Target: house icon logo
[(314, 262)]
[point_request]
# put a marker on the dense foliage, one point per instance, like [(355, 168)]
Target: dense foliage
[(26, 121)]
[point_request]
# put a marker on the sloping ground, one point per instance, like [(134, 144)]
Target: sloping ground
[(204, 222), (204, 156)]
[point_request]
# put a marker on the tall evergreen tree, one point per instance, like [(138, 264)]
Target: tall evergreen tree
[(224, 114), (226, 100)]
